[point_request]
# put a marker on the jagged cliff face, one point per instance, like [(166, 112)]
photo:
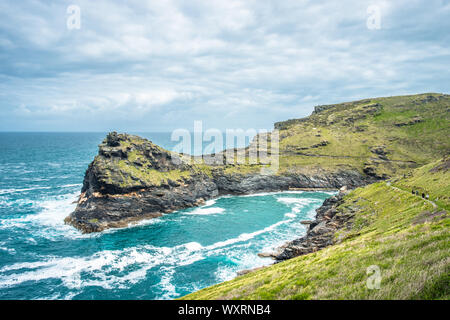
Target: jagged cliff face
[(350, 144)]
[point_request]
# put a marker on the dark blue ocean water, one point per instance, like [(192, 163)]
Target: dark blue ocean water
[(164, 258)]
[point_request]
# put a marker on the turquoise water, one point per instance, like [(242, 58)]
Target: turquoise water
[(164, 258)]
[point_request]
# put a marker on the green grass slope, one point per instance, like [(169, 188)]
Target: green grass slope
[(406, 236), (381, 136)]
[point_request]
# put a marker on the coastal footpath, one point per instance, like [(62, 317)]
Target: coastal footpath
[(349, 144), (381, 241)]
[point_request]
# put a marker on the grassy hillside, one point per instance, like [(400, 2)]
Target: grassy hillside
[(380, 136), (404, 235), (430, 179)]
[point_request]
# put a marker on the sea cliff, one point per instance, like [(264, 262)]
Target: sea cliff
[(350, 144)]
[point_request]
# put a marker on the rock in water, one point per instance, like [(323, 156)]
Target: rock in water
[(131, 179), (320, 233)]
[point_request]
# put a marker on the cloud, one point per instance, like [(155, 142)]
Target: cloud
[(159, 65)]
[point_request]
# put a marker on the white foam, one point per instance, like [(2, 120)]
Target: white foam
[(31, 240), (110, 268), (49, 221), (290, 215), (209, 203), (206, 211), (139, 223), (55, 210), (8, 191), (166, 284), (244, 261), (193, 246), (296, 201), (245, 236), (262, 194), (225, 273), (294, 191), (71, 185), (8, 250), (296, 204), (107, 269)]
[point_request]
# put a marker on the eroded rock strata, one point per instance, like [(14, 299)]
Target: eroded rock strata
[(133, 179), (321, 231)]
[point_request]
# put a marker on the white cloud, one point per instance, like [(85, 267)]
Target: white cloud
[(145, 65)]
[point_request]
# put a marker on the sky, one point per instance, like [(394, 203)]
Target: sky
[(160, 65)]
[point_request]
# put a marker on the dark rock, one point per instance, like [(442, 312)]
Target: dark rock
[(320, 144), (265, 255), (380, 151), (444, 165), (112, 139), (409, 123), (370, 169), (321, 231)]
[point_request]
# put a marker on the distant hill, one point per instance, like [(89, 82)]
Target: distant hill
[(380, 137)]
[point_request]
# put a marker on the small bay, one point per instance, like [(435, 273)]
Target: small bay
[(164, 258)]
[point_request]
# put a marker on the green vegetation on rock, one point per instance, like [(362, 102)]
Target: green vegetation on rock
[(129, 162)]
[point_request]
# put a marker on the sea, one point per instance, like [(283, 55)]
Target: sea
[(41, 176)]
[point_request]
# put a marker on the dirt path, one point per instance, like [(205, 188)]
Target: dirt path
[(298, 153), (429, 201)]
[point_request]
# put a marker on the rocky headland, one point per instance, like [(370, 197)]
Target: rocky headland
[(132, 179), (351, 144)]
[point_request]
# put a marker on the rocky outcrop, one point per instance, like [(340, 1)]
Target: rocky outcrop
[(321, 231), (444, 165), (133, 179), (282, 125), (410, 122)]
